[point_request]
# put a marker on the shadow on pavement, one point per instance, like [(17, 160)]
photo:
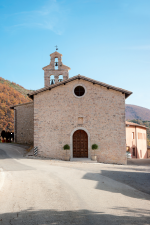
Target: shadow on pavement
[(138, 162), (135, 168), (80, 217), (137, 180)]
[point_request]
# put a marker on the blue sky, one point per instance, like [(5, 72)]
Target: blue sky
[(107, 40)]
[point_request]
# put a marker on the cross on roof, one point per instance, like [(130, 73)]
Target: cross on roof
[(56, 47)]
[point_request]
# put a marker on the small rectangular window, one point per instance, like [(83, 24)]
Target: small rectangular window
[(140, 136), (80, 120), (141, 153), (133, 151), (132, 135)]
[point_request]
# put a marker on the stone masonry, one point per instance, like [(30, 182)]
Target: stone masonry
[(50, 69), (57, 113), (24, 114)]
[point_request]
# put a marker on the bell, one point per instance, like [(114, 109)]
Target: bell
[(56, 63), (52, 82)]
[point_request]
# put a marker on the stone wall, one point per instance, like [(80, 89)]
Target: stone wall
[(58, 113), (24, 125)]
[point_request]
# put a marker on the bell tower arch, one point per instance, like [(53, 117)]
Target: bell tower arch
[(55, 68)]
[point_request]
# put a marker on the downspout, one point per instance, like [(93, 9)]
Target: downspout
[(15, 125), (146, 143), (136, 141)]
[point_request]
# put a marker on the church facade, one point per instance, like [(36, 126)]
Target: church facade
[(79, 112)]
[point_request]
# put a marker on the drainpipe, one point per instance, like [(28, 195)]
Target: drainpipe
[(146, 143), (136, 140), (15, 125)]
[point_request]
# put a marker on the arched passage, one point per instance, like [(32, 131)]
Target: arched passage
[(60, 78), (80, 144)]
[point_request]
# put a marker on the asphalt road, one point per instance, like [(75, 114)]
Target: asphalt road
[(39, 192)]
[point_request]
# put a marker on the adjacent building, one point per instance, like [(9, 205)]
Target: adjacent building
[(136, 140), (148, 151), (24, 123)]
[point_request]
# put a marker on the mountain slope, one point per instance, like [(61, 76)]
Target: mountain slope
[(137, 113), (17, 87), (10, 94)]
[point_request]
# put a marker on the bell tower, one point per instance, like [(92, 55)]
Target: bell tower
[(55, 69)]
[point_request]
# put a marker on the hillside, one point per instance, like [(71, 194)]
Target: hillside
[(17, 87), (137, 113), (10, 94)]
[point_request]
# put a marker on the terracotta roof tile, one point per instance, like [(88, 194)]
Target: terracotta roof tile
[(12, 106), (127, 93), (135, 124)]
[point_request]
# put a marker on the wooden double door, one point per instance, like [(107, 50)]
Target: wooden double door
[(80, 144)]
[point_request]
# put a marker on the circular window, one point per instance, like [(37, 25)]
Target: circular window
[(79, 91)]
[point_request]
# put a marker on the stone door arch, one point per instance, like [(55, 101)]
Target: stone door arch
[(80, 144)]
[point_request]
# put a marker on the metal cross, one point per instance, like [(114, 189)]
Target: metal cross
[(56, 47)]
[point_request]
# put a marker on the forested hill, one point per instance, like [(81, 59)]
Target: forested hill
[(10, 94), (134, 112)]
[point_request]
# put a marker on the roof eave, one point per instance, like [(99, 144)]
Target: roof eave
[(136, 125), (13, 106), (127, 93)]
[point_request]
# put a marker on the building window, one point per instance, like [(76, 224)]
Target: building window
[(144, 136), (132, 135), (133, 151), (79, 91), (140, 136), (60, 78), (80, 120), (56, 63), (52, 79), (140, 153)]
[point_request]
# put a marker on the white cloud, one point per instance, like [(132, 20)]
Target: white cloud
[(52, 16)]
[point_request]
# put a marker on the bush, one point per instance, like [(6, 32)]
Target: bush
[(94, 146), (66, 147)]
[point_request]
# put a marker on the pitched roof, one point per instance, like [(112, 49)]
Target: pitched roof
[(127, 93), (55, 53), (13, 106), (135, 124), (49, 67)]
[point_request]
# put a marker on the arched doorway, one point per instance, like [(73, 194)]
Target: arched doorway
[(80, 144)]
